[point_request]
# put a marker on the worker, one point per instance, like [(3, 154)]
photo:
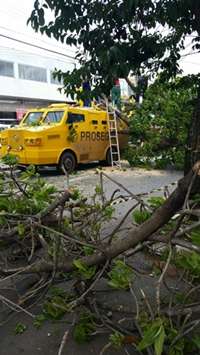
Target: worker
[(116, 94), (86, 90)]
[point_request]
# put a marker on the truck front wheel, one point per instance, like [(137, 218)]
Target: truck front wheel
[(68, 161)]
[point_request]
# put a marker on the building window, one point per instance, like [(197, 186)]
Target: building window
[(6, 69), (29, 72), (55, 80)]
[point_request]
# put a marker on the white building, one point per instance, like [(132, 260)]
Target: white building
[(26, 80)]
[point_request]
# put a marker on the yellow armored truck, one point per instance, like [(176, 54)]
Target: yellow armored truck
[(62, 135)]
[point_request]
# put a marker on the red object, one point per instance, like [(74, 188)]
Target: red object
[(117, 83), (20, 113)]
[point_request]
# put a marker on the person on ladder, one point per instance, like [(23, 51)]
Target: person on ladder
[(116, 95)]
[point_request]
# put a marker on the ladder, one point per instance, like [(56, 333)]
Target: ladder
[(113, 137)]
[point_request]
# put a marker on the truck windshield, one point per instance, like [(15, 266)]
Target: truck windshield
[(53, 117), (32, 118)]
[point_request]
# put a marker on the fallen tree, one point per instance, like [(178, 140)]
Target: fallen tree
[(160, 217), (61, 232)]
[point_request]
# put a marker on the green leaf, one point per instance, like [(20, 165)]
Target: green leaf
[(55, 308), (195, 237), (10, 159), (108, 212), (21, 229), (159, 341), (39, 320), (120, 276), (189, 261), (20, 328), (84, 328), (87, 272), (141, 216), (98, 190), (196, 340), (116, 339), (156, 201), (154, 334)]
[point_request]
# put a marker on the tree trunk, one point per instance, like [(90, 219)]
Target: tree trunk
[(193, 145)]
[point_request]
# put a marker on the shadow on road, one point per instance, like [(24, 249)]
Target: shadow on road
[(52, 171)]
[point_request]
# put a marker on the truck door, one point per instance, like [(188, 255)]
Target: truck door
[(98, 135), (78, 135)]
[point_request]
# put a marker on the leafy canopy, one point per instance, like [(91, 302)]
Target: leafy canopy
[(118, 37), (159, 127)]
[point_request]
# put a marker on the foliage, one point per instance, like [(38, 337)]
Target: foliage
[(20, 328), (84, 328), (115, 38), (120, 276), (196, 341), (71, 234), (190, 261), (75, 194), (55, 308), (116, 339), (141, 216), (39, 320), (156, 201), (195, 236), (160, 334), (36, 197), (85, 271), (159, 126), (10, 160), (155, 335), (108, 212), (56, 305)]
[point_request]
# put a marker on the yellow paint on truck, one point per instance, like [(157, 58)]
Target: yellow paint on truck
[(61, 134)]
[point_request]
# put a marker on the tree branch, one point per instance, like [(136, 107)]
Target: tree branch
[(137, 235)]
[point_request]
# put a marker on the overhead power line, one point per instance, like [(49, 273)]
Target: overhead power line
[(3, 49), (36, 46), (187, 54), (33, 37), (193, 63)]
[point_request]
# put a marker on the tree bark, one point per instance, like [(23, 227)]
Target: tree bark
[(193, 145)]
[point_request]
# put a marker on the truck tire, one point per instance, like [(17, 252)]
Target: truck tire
[(108, 158), (22, 167), (107, 161), (68, 161)]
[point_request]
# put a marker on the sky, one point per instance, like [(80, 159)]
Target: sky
[(13, 18)]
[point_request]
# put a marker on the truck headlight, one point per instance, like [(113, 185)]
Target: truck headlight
[(33, 141), (4, 141)]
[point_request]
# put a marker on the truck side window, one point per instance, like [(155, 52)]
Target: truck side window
[(75, 117), (53, 117)]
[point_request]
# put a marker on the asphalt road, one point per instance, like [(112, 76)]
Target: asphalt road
[(136, 180)]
